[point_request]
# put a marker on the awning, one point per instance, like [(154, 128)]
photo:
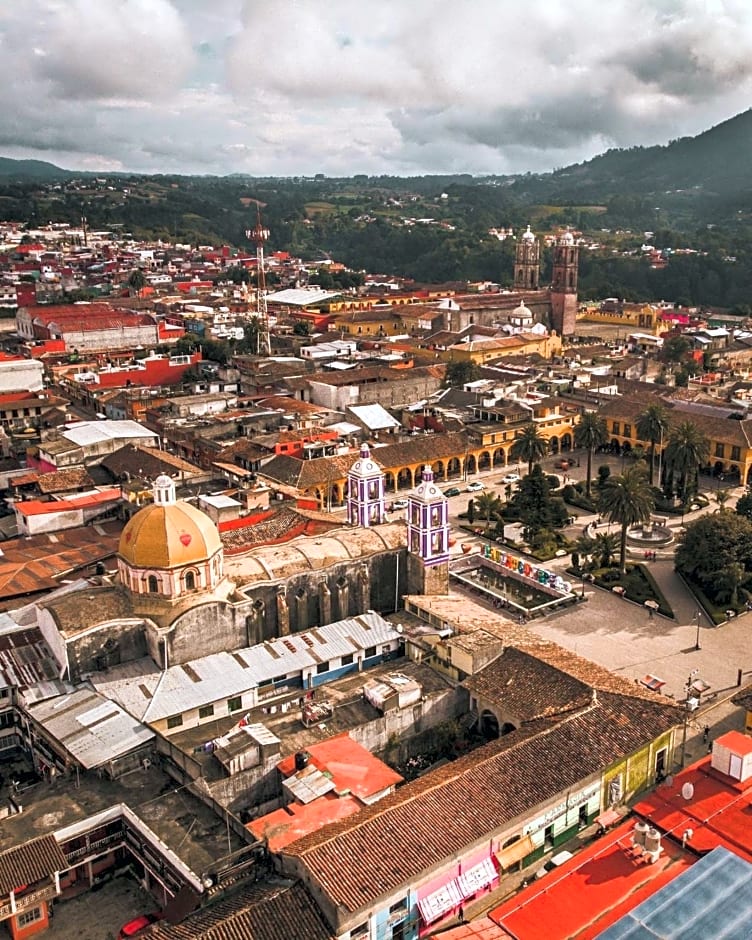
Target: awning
[(607, 818), (440, 902), (515, 852), (477, 877)]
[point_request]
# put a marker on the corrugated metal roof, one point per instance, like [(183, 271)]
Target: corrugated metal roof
[(152, 696), (374, 417), (92, 728), (94, 432)]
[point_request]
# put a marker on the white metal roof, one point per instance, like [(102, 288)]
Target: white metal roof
[(151, 696), (374, 417), (94, 432), (301, 296), (92, 728)]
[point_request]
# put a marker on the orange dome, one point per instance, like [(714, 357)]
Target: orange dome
[(169, 536)]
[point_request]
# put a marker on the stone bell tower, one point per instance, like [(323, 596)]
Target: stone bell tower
[(527, 262), (427, 538), (564, 285)]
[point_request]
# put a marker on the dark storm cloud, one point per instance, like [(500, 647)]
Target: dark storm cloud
[(343, 87)]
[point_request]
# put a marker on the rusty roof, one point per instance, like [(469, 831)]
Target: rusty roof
[(362, 858), (31, 862), (31, 565), (62, 480), (279, 911)]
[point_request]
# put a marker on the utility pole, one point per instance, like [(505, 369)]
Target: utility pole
[(689, 706), (260, 235)]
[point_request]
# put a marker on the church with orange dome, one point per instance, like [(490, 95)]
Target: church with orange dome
[(177, 596)]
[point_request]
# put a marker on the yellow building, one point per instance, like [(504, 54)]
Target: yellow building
[(483, 351)]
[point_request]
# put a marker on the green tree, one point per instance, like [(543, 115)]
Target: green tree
[(722, 496), (687, 450), (591, 433), (626, 500), (652, 425), (529, 445), (458, 374), (709, 548), (534, 504), (744, 504), (137, 281), (301, 328), (606, 546), (488, 505)]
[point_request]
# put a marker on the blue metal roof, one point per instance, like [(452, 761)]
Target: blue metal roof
[(712, 899)]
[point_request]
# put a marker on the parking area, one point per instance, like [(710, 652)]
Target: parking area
[(100, 913)]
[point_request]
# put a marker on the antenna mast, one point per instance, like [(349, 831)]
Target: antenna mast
[(259, 235)]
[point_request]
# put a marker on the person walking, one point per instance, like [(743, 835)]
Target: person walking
[(706, 734)]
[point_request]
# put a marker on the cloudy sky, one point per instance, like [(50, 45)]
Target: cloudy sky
[(284, 87)]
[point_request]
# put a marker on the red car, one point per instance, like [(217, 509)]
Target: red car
[(135, 927)]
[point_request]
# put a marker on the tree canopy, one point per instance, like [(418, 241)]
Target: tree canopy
[(709, 550)]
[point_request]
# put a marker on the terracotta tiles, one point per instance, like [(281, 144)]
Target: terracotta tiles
[(30, 862)]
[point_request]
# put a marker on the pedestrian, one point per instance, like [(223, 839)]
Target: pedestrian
[(650, 613), (706, 734)]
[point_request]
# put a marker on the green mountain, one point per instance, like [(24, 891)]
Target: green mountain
[(715, 163), (30, 170)]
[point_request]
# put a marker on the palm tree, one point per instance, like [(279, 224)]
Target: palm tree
[(488, 504), (687, 450), (606, 544), (722, 496), (591, 433), (626, 500), (651, 425), (529, 446)]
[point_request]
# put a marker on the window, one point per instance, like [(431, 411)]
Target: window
[(719, 450), (360, 932), (206, 711), (736, 453), (627, 430), (190, 581), (174, 721), (370, 651), (347, 659), (321, 668), (153, 584), (615, 427), (29, 917), (235, 704)]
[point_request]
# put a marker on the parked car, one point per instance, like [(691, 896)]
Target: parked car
[(553, 862), (561, 463), (452, 491), (511, 478), (474, 487), (135, 927), (399, 504)]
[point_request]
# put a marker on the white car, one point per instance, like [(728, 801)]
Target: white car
[(474, 487), (399, 504), (511, 478), (553, 862)]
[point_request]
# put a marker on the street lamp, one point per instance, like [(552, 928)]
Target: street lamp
[(696, 619), (690, 704)]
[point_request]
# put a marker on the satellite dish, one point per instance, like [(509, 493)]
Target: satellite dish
[(688, 790)]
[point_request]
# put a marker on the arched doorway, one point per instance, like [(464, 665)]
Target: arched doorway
[(489, 725), (507, 728)]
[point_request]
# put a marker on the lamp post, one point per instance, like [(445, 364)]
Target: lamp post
[(689, 705), (696, 618)]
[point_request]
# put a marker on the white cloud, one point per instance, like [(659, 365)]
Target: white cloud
[(341, 87)]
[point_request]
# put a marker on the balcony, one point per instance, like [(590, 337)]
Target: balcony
[(27, 901)]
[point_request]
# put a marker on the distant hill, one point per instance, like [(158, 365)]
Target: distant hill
[(715, 162), (30, 170)]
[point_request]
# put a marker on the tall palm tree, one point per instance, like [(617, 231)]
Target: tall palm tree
[(591, 433), (626, 500), (529, 445), (652, 424), (687, 450)]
